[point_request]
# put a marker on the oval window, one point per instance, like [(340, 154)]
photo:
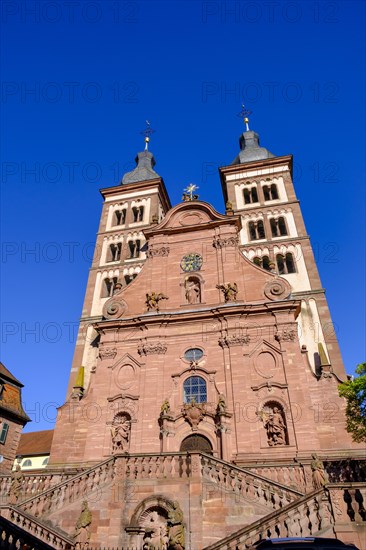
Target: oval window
[(193, 354)]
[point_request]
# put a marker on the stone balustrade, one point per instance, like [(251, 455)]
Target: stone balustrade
[(305, 517), (348, 501), (32, 483), (176, 465), (247, 484), (292, 475), (69, 490), (27, 531)]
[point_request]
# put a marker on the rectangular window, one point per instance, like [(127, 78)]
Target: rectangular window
[(4, 432)]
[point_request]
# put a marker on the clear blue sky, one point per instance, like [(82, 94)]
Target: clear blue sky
[(78, 83)]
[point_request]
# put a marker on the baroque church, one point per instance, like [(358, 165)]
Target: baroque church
[(202, 410)]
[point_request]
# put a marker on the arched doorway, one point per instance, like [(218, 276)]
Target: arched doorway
[(196, 442)]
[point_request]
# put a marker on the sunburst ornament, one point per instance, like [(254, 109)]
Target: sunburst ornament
[(189, 192)]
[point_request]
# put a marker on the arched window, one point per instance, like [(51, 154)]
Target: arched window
[(134, 248), (130, 278), (138, 213), (254, 194), (114, 252), (252, 231), (250, 195), (260, 230), (285, 264), (119, 217), (196, 442), (256, 230), (282, 226), (278, 227), (280, 260), (274, 192), (45, 461), (27, 463), (266, 193), (247, 196), (263, 262), (266, 263), (270, 192), (290, 264), (108, 287), (274, 228), (194, 389)]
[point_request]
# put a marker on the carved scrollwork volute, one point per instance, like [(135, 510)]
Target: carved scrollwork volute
[(277, 289), (114, 308)]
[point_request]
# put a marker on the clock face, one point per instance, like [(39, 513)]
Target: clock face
[(191, 262)]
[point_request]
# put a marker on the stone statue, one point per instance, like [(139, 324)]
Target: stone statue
[(229, 290), (318, 473), (15, 485), (193, 291), (121, 435), (165, 407), (82, 529), (176, 528), (276, 428), (156, 536), (221, 404), (153, 299)]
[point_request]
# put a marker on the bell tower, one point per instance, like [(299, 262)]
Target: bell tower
[(259, 187), (139, 201)]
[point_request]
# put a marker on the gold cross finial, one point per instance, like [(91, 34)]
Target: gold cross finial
[(189, 192), (244, 114), (147, 133)]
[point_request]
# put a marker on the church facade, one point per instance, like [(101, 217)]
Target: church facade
[(202, 408)]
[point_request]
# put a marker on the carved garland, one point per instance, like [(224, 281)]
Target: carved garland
[(221, 243), (235, 340), (162, 251), (107, 353), (286, 335), (151, 349)]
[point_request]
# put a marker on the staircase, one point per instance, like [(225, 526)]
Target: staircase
[(290, 512)]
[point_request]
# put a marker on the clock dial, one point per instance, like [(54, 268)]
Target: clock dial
[(191, 262)]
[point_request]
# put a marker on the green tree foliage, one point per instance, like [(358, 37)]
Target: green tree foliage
[(355, 393)]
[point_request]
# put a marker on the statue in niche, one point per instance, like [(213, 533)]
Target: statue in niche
[(153, 299), (318, 473), (120, 432), (193, 290), (165, 407), (82, 528), (156, 532), (275, 426), (229, 290), (176, 528)]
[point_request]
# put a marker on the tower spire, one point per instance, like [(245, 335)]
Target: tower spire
[(145, 161), (250, 148)]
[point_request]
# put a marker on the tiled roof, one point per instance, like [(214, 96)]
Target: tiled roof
[(7, 374), (35, 443)]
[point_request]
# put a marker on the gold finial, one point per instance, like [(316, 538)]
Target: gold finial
[(188, 192), (147, 133), (244, 114)]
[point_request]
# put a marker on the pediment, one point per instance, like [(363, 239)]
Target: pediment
[(127, 359), (192, 215)]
